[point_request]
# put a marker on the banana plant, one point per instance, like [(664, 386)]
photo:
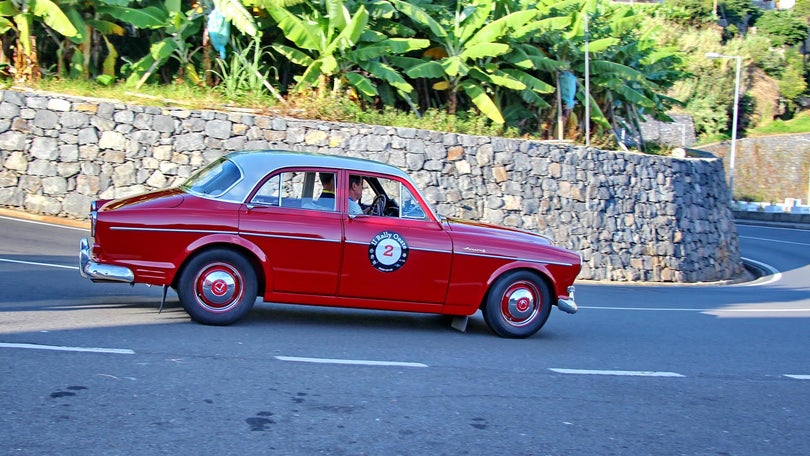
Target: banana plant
[(335, 47), (22, 16), (93, 25), (468, 54), (175, 27)]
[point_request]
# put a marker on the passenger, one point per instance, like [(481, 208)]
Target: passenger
[(328, 183), (355, 193)]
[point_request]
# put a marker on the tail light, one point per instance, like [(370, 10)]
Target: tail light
[(93, 217)]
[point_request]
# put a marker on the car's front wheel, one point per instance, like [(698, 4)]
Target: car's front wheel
[(217, 287), (517, 305)]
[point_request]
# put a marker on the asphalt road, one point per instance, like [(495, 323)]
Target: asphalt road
[(90, 369)]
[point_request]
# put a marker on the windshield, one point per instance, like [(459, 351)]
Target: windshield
[(214, 180)]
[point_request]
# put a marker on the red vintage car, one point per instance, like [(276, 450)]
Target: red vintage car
[(323, 230)]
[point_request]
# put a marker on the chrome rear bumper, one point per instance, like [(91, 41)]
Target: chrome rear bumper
[(568, 305), (101, 272)]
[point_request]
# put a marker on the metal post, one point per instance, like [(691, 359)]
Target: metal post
[(587, 85)]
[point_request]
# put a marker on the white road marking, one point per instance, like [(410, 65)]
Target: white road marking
[(774, 240), (712, 311), (117, 351), (798, 376), (773, 274), (651, 309), (35, 222), (34, 263), (615, 372), (358, 362)]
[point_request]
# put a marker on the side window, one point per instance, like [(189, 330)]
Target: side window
[(324, 192), (298, 189), (399, 201), (268, 194)]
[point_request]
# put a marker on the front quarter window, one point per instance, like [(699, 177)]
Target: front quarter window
[(410, 206), (214, 180)]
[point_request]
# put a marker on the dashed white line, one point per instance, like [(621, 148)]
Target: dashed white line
[(117, 351), (798, 376), (615, 372), (357, 362)]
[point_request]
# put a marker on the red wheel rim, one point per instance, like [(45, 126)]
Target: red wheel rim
[(521, 303), (219, 287)]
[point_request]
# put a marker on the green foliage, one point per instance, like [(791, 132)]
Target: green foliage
[(783, 27), (688, 12), (792, 83), (242, 78), (473, 66), (738, 13)]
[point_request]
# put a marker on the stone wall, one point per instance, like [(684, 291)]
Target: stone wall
[(633, 217), (769, 168)]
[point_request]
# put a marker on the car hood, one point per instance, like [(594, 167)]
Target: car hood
[(161, 199), (486, 230)]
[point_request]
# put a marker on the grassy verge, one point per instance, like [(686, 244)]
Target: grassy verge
[(799, 124)]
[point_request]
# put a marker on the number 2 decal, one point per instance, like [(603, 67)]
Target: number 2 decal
[(388, 251)]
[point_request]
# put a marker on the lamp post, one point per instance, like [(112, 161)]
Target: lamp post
[(715, 55)]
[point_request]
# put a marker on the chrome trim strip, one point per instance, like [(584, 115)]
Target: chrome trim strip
[(281, 236), (409, 246), (502, 257), (170, 230), (101, 272)]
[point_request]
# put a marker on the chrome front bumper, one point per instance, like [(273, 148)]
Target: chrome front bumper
[(568, 305), (101, 272)]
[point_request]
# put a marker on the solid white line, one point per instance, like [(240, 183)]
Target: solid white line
[(663, 309), (715, 310), (118, 351), (349, 361), (42, 223), (773, 240), (798, 377), (644, 309), (34, 263), (615, 372)]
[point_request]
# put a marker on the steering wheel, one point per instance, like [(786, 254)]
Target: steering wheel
[(378, 205)]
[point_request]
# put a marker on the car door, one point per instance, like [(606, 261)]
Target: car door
[(404, 255), (293, 218)]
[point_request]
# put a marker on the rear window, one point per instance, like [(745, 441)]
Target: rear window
[(215, 179)]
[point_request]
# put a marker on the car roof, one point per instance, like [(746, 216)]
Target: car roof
[(261, 162)]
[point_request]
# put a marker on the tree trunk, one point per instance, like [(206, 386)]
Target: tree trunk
[(26, 66)]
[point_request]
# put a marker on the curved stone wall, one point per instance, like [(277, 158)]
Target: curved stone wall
[(633, 217)]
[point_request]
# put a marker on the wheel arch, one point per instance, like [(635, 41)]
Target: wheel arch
[(250, 255), (541, 274)]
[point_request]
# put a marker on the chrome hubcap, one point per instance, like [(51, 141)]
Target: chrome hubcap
[(520, 304), (219, 287)]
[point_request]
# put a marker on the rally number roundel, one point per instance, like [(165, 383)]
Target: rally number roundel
[(388, 251)]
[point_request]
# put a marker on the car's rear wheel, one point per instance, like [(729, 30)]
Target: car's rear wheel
[(517, 304), (217, 287)]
